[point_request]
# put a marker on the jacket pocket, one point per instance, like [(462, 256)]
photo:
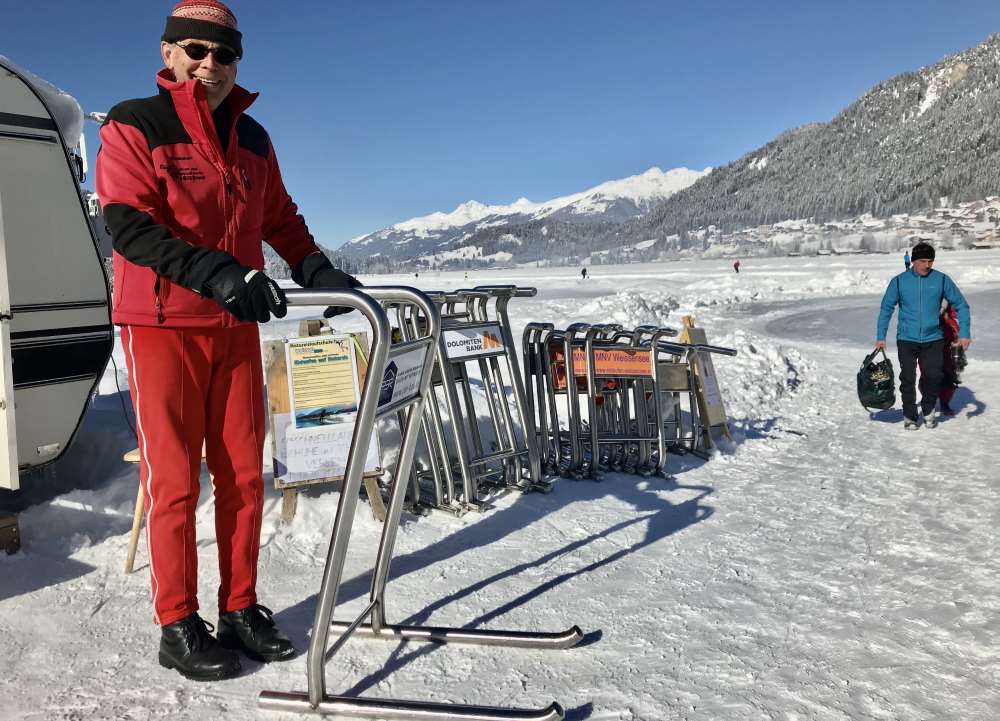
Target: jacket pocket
[(178, 301)]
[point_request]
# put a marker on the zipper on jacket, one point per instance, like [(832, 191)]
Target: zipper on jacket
[(159, 302), (227, 208), (920, 306)]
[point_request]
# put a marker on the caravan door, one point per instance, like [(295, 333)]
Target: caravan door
[(56, 330)]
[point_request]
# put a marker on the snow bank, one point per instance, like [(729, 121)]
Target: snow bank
[(976, 274), (630, 308), (746, 288), (763, 374)]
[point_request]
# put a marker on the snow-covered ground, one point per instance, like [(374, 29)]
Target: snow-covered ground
[(825, 565)]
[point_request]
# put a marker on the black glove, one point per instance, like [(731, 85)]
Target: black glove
[(317, 272), (247, 293), (335, 278)]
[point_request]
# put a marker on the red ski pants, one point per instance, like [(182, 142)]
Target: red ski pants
[(192, 385)]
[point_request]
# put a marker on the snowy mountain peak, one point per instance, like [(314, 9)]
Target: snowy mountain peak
[(471, 207), (627, 197), (654, 184)]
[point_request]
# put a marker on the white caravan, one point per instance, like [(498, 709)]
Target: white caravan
[(55, 324)]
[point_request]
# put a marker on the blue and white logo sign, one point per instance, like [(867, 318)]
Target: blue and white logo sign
[(401, 380), (388, 384)]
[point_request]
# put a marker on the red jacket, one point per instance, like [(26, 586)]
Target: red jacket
[(949, 325), (178, 209)]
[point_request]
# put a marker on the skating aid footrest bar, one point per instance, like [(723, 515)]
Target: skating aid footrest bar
[(483, 637), (371, 708)]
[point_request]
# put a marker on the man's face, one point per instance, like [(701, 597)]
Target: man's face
[(922, 266), (217, 79)]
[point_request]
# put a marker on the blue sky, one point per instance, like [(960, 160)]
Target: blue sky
[(382, 111)]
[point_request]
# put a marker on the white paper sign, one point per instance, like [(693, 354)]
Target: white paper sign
[(308, 454)]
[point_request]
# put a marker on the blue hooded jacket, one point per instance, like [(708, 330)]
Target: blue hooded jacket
[(919, 299)]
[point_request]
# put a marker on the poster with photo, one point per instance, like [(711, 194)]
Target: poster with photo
[(312, 440), (321, 379)]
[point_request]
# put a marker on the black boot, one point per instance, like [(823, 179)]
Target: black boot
[(252, 631), (188, 646)]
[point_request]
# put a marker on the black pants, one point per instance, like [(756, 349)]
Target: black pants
[(931, 357)]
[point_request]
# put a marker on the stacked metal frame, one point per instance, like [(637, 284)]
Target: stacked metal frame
[(601, 397), (477, 347)]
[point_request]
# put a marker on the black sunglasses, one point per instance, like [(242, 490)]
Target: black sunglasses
[(197, 51)]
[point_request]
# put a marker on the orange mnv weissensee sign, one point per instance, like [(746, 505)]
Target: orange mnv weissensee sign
[(608, 363)]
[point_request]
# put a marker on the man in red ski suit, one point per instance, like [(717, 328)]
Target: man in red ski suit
[(190, 186)]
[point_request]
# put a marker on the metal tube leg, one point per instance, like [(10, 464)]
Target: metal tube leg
[(471, 415), (510, 434), (492, 402), (341, 535), (391, 525), (458, 433), (555, 438), (595, 421), (520, 399), (573, 402), (441, 442)]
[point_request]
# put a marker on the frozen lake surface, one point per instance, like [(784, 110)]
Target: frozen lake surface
[(823, 566)]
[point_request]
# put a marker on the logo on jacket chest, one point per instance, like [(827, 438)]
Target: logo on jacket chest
[(183, 169)]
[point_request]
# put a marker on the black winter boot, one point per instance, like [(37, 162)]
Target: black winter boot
[(188, 646), (252, 631)]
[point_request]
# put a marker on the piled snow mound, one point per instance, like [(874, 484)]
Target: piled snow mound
[(739, 289), (980, 274), (630, 308), (845, 282), (759, 377)]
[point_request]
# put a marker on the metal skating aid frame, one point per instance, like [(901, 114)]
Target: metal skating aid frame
[(386, 392)]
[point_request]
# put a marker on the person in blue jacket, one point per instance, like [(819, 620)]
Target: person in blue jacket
[(906, 260), (918, 292)]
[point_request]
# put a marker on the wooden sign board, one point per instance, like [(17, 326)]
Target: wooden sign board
[(312, 408), (710, 404)]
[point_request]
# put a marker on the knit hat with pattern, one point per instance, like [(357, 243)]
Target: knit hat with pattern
[(207, 20)]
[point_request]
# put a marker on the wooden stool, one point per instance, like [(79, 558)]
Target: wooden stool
[(140, 509)]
